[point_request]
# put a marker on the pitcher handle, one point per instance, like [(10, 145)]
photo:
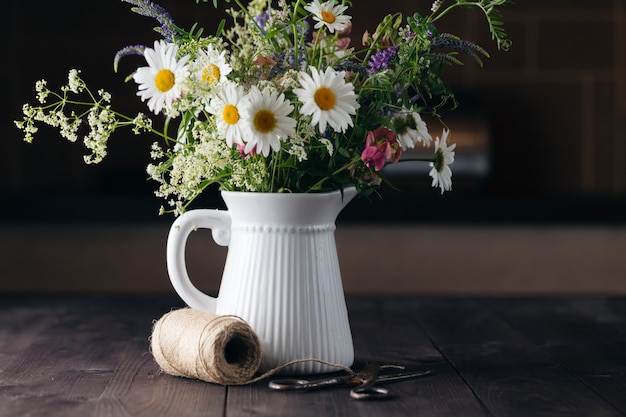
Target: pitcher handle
[(219, 222)]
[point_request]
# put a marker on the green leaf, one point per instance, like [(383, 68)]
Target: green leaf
[(344, 152)]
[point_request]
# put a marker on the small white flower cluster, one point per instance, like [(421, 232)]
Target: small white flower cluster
[(436, 5), (75, 84), (99, 118)]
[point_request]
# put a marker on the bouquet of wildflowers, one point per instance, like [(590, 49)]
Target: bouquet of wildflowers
[(277, 100)]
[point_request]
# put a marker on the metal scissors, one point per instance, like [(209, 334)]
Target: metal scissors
[(363, 382), (367, 390)]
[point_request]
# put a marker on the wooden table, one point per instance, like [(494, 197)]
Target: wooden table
[(490, 356)]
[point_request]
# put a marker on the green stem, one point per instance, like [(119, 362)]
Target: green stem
[(319, 184), (275, 176), (247, 13), (488, 8), (294, 28), (439, 15), (126, 120)]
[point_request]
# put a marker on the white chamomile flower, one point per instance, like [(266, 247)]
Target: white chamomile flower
[(266, 114), (328, 98), (226, 106), (411, 129), (159, 82), (444, 156), (211, 67), (328, 14)]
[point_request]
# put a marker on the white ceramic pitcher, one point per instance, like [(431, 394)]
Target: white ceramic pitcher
[(281, 273)]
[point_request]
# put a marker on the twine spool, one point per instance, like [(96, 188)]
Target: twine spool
[(200, 345)]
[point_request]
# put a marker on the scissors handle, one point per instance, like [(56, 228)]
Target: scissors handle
[(367, 390), (368, 393)]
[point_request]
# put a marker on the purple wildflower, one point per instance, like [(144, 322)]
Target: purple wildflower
[(280, 67), (399, 90), (286, 61), (126, 51), (262, 20), (147, 8), (350, 66), (168, 29), (304, 28), (299, 60), (448, 41), (381, 59)]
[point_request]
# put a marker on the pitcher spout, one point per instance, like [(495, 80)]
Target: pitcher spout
[(348, 194)]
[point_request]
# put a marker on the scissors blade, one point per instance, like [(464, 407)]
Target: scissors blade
[(290, 384), (399, 376)]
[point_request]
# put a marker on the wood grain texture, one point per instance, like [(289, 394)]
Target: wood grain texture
[(76, 356), (510, 374), (585, 335)]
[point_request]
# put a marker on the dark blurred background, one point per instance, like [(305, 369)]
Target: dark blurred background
[(541, 151)]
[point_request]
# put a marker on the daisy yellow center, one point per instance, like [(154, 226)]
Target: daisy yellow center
[(438, 160), (400, 126), (325, 98), (164, 80), (411, 122), (264, 121), (211, 74), (230, 114), (328, 17)]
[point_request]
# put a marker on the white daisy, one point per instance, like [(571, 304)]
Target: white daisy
[(159, 83), (444, 156), (328, 98), (411, 129), (226, 106), (266, 114), (328, 14), (210, 66)]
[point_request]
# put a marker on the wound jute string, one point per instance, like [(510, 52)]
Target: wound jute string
[(200, 345), (218, 349)]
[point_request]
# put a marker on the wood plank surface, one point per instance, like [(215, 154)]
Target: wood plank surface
[(510, 374), (489, 356), (89, 356), (587, 336)]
